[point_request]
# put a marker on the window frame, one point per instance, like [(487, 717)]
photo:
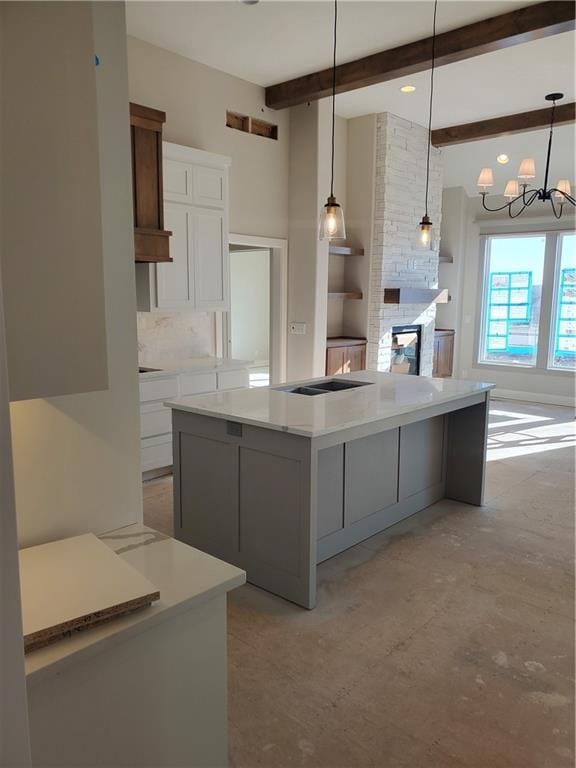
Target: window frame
[(546, 319), (555, 302)]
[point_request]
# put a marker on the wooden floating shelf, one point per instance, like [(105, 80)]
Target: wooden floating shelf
[(416, 296), (345, 295), (345, 250), (348, 341), (446, 260)]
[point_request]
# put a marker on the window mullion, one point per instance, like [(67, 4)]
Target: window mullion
[(547, 301)]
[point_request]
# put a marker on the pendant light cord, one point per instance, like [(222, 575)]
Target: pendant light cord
[(431, 100), (549, 147), (333, 96)]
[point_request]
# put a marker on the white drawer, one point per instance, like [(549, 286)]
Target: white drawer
[(233, 379), (155, 421), (156, 452), (164, 388), (196, 383)]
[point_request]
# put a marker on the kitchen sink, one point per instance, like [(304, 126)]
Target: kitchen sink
[(324, 387)]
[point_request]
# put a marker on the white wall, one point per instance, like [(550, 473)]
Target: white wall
[(250, 305), (195, 98), (14, 734), (537, 385), (77, 457)]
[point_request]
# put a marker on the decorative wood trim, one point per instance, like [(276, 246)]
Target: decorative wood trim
[(345, 295), (520, 26), (498, 126), (344, 250), (415, 296), (147, 117)]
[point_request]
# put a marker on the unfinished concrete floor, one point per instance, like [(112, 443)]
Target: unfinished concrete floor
[(445, 642)]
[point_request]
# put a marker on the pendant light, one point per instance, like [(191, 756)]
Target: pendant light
[(425, 233), (332, 216)]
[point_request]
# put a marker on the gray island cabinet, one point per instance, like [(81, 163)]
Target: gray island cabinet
[(275, 480)]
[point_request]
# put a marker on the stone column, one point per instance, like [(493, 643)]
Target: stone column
[(399, 201)]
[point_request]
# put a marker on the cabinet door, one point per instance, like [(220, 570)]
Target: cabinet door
[(209, 186), (175, 281), (209, 237), (334, 361), (355, 359)]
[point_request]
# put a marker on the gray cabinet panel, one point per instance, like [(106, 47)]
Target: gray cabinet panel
[(330, 490), (371, 475), (421, 456), (209, 495), (271, 511)]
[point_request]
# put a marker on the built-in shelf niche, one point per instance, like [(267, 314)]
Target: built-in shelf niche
[(254, 125), (344, 289), (446, 259), (416, 296), (345, 250)]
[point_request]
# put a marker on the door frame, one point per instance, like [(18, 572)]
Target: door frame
[(278, 303)]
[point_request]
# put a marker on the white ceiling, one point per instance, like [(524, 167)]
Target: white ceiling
[(276, 40), (462, 162)]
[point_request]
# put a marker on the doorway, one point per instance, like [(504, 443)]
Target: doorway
[(255, 327)]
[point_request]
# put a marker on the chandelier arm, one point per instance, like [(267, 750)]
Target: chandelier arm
[(568, 197), (526, 201), (556, 215)]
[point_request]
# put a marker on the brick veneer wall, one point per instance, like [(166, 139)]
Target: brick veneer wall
[(400, 181)]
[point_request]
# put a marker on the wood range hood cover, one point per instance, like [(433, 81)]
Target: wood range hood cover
[(151, 240)]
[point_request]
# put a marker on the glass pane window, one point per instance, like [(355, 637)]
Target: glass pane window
[(563, 344), (511, 311)]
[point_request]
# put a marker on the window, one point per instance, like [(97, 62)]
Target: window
[(515, 267), (529, 301), (563, 347)]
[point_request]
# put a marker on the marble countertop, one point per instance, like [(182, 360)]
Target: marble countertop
[(188, 365), (386, 396), (185, 577)]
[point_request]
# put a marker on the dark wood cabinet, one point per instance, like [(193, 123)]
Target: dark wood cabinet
[(345, 355), (443, 352), (151, 240)]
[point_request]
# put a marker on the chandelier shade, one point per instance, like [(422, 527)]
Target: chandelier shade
[(520, 199)]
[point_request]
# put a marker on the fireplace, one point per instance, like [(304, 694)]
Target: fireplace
[(406, 344)]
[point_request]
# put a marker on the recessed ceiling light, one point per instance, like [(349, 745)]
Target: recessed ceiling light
[(503, 159), (408, 88)]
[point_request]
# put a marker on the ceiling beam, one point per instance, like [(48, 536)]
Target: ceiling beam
[(520, 26), (500, 126)]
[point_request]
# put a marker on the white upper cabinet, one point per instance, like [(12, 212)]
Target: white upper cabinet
[(196, 211)]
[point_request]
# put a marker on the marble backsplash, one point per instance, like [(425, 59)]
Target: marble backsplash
[(176, 334)]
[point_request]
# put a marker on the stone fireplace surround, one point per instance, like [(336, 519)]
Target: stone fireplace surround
[(395, 262)]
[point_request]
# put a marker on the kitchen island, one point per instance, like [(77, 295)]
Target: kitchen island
[(275, 480)]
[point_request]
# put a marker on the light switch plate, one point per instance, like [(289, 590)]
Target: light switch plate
[(298, 328)]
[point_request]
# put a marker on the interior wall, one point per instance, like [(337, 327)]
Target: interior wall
[(250, 305), (537, 385), (77, 457), (195, 98)]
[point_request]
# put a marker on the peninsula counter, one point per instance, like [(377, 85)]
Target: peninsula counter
[(275, 480)]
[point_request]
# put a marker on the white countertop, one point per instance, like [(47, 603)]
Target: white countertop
[(185, 577), (189, 365), (387, 395)]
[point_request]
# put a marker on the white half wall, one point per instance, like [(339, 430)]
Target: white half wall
[(77, 457)]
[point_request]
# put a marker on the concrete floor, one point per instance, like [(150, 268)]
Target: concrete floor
[(446, 642)]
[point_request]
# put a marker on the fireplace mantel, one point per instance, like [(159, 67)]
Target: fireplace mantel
[(407, 295)]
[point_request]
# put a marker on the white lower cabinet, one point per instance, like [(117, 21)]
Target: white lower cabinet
[(156, 419)]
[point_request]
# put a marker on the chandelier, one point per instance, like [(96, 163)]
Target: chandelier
[(518, 200)]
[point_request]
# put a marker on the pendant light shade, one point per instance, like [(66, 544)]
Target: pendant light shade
[(424, 233), (331, 225), (486, 178), (527, 169), (562, 189), (511, 190), (332, 221)]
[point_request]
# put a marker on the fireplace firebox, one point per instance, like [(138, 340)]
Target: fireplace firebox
[(406, 345)]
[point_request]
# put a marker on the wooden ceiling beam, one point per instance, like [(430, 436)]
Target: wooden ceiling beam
[(500, 126), (520, 26)]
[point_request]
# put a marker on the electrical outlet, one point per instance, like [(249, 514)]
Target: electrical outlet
[(298, 328)]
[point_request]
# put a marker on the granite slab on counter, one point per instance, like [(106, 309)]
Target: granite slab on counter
[(160, 366), (385, 396)]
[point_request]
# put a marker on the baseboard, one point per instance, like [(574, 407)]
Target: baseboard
[(532, 397)]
